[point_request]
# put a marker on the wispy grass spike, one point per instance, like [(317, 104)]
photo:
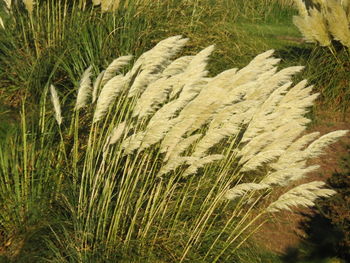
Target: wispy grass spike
[(56, 104), (97, 85), (302, 195), (114, 68), (108, 94), (241, 189), (85, 88)]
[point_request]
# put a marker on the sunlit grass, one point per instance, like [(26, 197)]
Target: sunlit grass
[(55, 44)]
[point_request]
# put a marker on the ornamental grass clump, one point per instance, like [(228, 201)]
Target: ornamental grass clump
[(322, 21), (168, 162)]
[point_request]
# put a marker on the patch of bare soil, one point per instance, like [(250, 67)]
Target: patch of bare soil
[(283, 231)]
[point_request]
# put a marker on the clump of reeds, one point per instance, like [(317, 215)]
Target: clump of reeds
[(323, 21), (171, 155)]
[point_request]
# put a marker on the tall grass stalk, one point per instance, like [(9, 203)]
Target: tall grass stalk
[(58, 40), (29, 181)]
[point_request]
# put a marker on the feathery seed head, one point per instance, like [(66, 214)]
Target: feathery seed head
[(114, 68), (108, 94), (97, 85), (84, 91), (117, 132), (56, 104), (302, 195), (242, 189)]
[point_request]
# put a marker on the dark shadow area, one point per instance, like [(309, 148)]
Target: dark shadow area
[(307, 51), (327, 229), (324, 241), (294, 53)]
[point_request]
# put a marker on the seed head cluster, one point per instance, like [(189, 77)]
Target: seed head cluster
[(246, 124)]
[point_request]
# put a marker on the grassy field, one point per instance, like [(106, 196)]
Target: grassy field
[(60, 197)]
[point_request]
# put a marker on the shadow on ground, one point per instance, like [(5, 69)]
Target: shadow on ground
[(327, 230)]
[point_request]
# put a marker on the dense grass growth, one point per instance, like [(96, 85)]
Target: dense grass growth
[(165, 164), (59, 39), (326, 24), (122, 179)]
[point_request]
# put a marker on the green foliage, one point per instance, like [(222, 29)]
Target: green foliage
[(58, 41), (28, 185), (327, 72)]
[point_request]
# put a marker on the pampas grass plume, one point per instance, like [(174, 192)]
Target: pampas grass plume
[(84, 91), (318, 25), (108, 94), (316, 148), (97, 85), (199, 163), (117, 133), (301, 7), (302, 195), (114, 68), (56, 104), (323, 21), (285, 176), (338, 22), (241, 189)]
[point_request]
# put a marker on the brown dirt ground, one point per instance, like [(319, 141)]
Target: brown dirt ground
[(283, 231)]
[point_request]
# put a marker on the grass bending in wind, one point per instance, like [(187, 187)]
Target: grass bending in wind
[(324, 21), (173, 156), (165, 163)]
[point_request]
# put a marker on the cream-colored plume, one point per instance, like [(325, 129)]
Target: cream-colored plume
[(154, 61), (302, 195), (324, 21), (108, 94), (242, 189), (114, 68), (300, 4), (338, 22), (56, 104), (97, 85), (246, 125), (85, 89)]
